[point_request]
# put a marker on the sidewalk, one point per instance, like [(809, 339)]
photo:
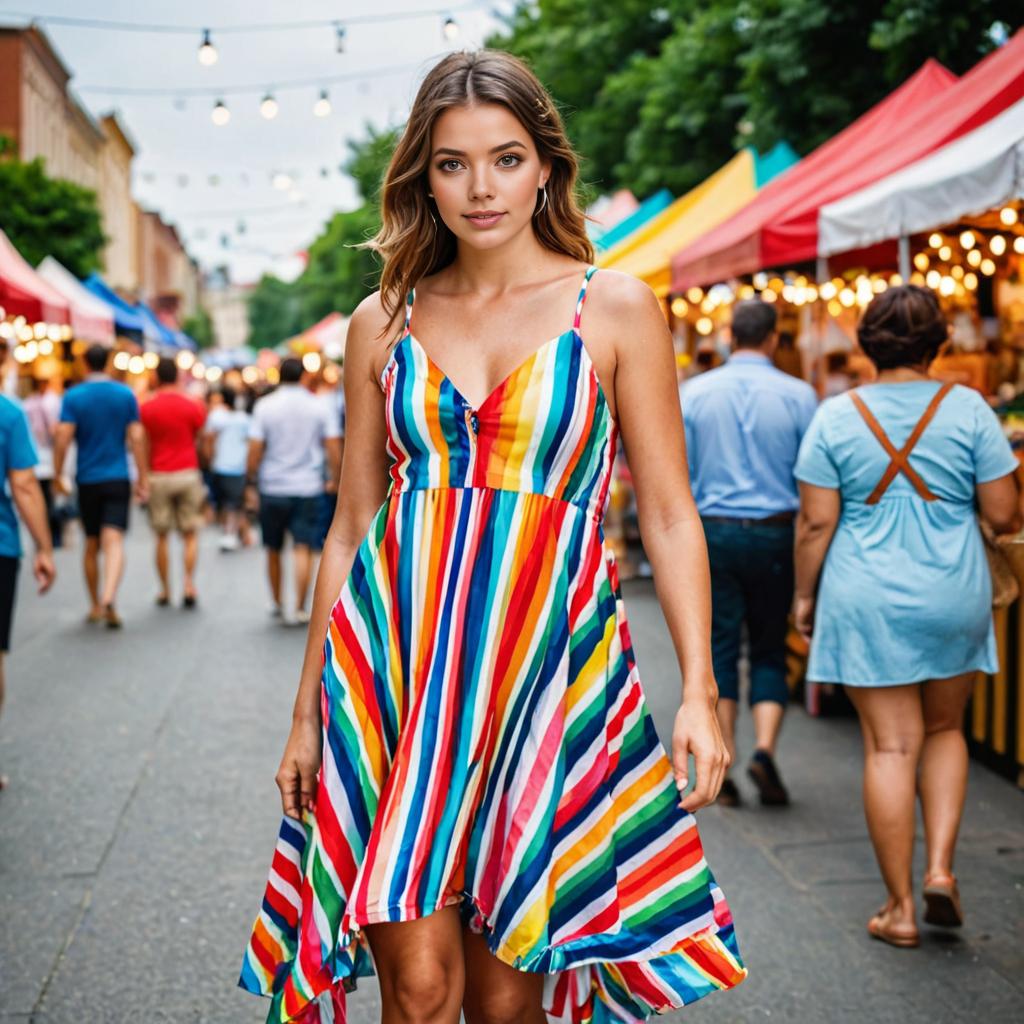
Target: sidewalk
[(142, 813)]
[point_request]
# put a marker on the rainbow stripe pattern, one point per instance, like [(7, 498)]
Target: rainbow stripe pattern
[(486, 742)]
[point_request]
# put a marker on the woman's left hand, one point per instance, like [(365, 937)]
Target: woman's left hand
[(803, 616), (697, 732)]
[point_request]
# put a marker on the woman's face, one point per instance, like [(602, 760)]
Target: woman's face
[(485, 173)]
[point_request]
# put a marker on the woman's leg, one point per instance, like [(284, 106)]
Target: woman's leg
[(892, 723), (943, 780), (419, 965), (495, 992)]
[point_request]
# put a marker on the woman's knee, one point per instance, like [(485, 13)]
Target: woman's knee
[(422, 990), (502, 1004)]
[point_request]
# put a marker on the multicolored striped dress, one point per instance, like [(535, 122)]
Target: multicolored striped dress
[(486, 743)]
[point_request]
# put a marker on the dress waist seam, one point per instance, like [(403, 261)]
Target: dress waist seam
[(593, 513)]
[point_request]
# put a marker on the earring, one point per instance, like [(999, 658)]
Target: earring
[(544, 202), (433, 220)]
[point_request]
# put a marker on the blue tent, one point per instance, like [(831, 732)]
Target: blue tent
[(154, 330), (126, 318)]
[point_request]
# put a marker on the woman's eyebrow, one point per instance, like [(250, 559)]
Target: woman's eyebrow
[(459, 152)]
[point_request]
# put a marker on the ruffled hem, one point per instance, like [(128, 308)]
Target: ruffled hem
[(579, 989)]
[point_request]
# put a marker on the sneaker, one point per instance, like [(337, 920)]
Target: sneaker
[(766, 777), (729, 794), (276, 611), (229, 542), (299, 618)]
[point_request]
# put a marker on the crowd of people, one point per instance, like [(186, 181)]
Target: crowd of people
[(186, 458)]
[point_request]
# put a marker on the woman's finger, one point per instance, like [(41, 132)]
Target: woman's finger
[(308, 788), (288, 783), (699, 796)]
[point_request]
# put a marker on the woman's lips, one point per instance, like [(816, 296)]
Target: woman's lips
[(484, 220)]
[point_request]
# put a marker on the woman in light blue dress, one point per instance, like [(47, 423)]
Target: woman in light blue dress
[(893, 587)]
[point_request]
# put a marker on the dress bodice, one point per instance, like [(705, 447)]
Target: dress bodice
[(545, 429)]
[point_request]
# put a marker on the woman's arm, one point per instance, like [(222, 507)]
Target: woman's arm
[(999, 503), (362, 490), (815, 526), (649, 416)]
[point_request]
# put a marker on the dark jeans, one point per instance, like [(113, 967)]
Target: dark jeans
[(751, 583)]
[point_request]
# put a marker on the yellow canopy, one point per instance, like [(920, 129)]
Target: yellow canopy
[(647, 253)]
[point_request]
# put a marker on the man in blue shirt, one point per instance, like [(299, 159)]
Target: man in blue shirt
[(102, 416), (17, 462), (744, 423)]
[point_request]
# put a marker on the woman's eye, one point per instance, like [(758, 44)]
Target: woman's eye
[(450, 165), (510, 160)]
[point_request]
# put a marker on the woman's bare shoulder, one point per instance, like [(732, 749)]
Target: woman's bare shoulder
[(371, 332), (616, 295)]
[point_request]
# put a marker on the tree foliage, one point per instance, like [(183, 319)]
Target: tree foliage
[(44, 216), (340, 272), (660, 95), (199, 327)]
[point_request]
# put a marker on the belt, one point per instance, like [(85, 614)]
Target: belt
[(778, 519)]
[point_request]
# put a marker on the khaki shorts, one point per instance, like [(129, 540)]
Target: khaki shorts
[(176, 501)]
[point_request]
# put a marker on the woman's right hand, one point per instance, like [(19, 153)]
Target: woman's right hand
[(803, 616), (300, 763)]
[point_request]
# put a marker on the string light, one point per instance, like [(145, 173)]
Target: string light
[(680, 307), (339, 38), (705, 325), (220, 114), (933, 279), (974, 257), (136, 365), (957, 272), (1018, 245), (1008, 215), (997, 245), (970, 281), (207, 51), (935, 240), (829, 290), (185, 360), (896, 280), (835, 307), (121, 361), (988, 267), (921, 260), (769, 295), (694, 295), (450, 30), (945, 252), (268, 107), (967, 240), (322, 107)]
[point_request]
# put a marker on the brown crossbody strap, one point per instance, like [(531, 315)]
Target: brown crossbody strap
[(900, 463)]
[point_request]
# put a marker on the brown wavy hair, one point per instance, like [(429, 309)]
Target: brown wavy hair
[(903, 326), (409, 242)]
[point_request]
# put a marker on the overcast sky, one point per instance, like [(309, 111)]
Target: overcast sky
[(210, 180)]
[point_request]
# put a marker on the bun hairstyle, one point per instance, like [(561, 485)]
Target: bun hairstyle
[(903, 326), (413, 240)]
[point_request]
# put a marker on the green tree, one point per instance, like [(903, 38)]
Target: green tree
[(199, 327), (49, 216), (274, 312)]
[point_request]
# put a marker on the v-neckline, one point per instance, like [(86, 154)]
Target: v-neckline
[(501, 384)]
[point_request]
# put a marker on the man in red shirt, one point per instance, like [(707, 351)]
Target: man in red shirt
[(173, 421)]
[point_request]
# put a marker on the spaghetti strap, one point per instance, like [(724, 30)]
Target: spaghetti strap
[(899, 459), (582, 298)]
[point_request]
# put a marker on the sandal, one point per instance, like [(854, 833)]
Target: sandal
[(942, 902), (902, 939), (111, 617)]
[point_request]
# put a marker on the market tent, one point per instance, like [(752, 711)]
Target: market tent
[(607, 211), (929, 110), (647, 253), (978, 172), (126, 317), (91, 318), (154, 331), (24, 293), (650, 207), (327, 336)]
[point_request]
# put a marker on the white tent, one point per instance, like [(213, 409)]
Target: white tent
[(91, 318), (976, 173)]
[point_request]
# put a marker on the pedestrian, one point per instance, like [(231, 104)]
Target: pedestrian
[(173, 420), (102, 416), (477, 805), (893, 588), (17, 462), (744, 422), (291, 433), (226, 440), (42, 407)]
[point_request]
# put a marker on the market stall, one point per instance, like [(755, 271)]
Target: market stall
[(643, 214), (91, 318), (26, 295), (647, 252), (128, 322)]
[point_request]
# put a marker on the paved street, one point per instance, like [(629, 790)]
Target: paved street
[(141, 816)]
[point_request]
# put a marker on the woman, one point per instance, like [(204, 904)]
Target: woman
[(226, 444), (890, 475), (494, 818)]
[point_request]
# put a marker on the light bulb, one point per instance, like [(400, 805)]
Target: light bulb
[(1008, 215), (974, 257), (967, 239), (933, 279), (705, 325), (694, 295), (970, 281), (322, 107), (451, 28), (921, 260), (935, 240), (207, 51), (997, 245), (680, 307), (988, 268), (268, 107), (1018, 245), (282, 182), (220, 115), (945, 252)]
